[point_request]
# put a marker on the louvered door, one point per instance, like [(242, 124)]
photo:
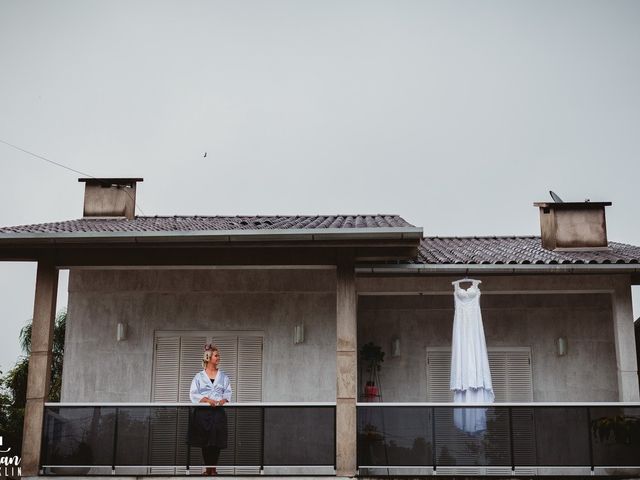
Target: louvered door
[(177, 359), (228, 348), (249, 419), (163, 423), (512, 382), (190, 364)]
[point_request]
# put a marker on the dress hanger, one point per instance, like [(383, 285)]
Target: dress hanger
[(466, 279)]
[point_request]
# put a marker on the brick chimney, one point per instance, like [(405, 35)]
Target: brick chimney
[(110, 197), (573, 225)]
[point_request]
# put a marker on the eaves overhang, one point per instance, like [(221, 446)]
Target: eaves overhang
[(228, 236), (431, 269)]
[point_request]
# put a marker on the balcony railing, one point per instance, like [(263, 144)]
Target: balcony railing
[(533, 438), (152, 438)]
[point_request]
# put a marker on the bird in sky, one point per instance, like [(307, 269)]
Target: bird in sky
[(204, 155)]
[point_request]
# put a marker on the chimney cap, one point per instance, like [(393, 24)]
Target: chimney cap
[(111, 181), (571, 205)]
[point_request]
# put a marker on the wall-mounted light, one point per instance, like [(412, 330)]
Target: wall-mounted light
[(562, 346), (121, 332), (395, 347), (298, 334)]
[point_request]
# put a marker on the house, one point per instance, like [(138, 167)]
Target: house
[(290, 300)]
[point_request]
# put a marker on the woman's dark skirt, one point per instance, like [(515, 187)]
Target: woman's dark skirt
[(208, 427)]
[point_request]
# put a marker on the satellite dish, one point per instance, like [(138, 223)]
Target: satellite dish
[(555, 197)]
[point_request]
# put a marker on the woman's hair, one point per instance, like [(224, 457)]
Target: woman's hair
[(209, 348)]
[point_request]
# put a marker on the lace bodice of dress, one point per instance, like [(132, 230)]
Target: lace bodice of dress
[(467, 295)]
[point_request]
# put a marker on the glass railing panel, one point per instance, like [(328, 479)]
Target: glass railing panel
[(299, 436), (395, 436), (615, 435), (78, 436), (156, 439), (562, 436), (495, 437), (472, 436)]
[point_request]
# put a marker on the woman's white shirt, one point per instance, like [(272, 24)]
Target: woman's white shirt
[(201, 386)]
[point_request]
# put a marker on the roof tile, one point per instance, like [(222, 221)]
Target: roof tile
[(515, 250), (204, 223)]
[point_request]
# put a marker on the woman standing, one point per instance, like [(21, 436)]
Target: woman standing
[(209, 425)]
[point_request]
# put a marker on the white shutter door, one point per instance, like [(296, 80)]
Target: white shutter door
[(163, 424), (519, 378), (177, 360), (510, 375), (512, 382), (520, 389), (228, 348), (191, 349), (249, 382), (166, 368), (499, 374), (249, 420), (438, 373)]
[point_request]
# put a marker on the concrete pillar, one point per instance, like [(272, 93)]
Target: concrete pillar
[(44, 311), (625, 343), (347, 370)]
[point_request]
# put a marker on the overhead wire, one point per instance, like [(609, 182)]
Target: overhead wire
[(67, 168)]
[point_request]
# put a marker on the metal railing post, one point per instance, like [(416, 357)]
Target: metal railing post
[(115, 444), (189, 413), (590, 440), (513, 462), (262, 412), (433, 440)]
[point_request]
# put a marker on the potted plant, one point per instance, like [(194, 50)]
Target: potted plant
[(371, 356)]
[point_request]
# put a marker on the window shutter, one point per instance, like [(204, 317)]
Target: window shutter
[(163, 424), (177, 359), (438, 374), (191, 349), (519, 379), (249, 420), (249, 369), (510, 374), (512, 382), (166, 368), (228, 347), (498, 362)]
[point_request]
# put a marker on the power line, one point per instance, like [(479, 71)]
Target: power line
[(67, 168)]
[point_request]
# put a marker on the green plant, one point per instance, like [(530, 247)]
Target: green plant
[(372, 356)]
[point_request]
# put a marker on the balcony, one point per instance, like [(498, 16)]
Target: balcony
[(410, 439), (521, 439), (151, 439)]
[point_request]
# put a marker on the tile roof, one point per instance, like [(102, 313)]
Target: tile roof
[(212, 223), (515, 250)]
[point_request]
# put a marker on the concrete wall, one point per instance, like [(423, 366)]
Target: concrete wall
[(587, 373), (98, 368)]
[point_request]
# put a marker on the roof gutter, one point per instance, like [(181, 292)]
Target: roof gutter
[(223, 236), (413, 269)]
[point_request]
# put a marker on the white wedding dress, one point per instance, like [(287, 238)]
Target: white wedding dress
[(470, 374)]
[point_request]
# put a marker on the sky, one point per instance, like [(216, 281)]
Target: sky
[(457, 115)]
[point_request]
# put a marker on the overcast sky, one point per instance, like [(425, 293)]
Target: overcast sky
[(456, 115)]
